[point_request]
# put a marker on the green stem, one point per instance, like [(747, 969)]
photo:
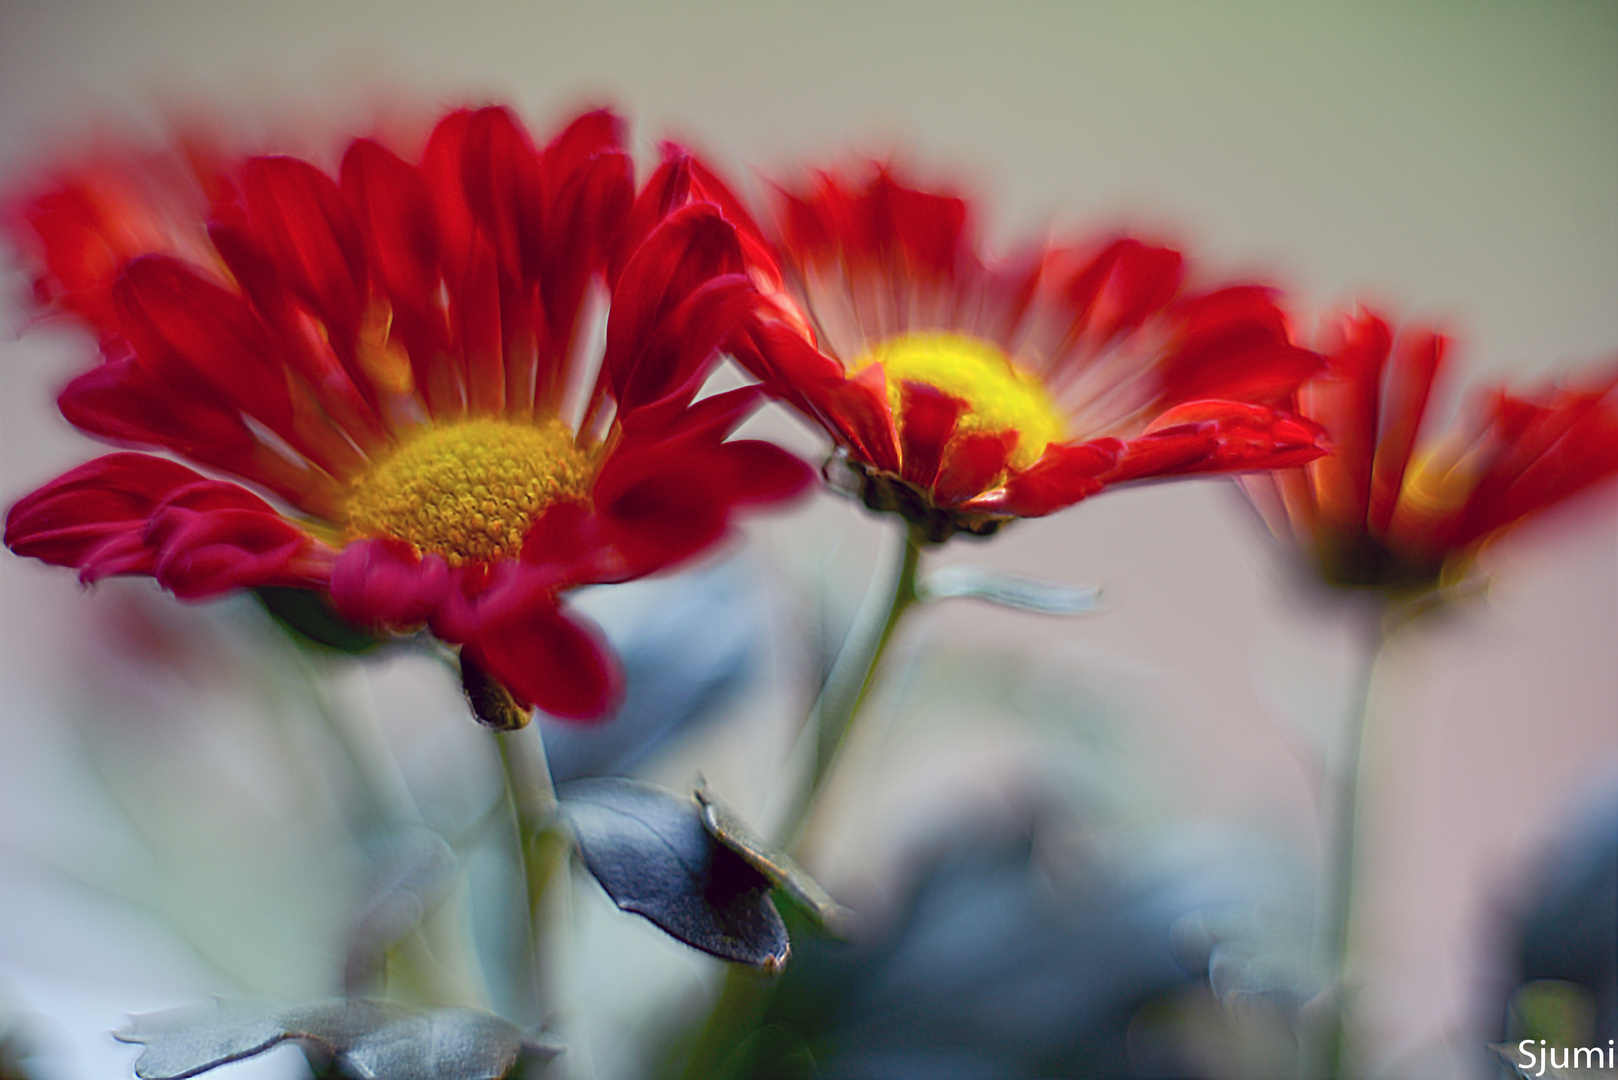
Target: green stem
[(541, 850), (849, 683), (744, 997), (1324, 1047)]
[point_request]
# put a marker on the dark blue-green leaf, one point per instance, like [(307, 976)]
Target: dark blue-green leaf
[(649, 848)]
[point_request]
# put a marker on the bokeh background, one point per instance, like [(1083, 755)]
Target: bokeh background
[(1457, 162)]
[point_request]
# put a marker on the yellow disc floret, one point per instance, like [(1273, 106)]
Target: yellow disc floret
[(999, 396), (468, 491)]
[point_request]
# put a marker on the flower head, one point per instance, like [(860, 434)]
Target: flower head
[(392, 381), (1392, 512), (963, 391)]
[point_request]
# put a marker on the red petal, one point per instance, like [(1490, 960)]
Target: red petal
[(387, 583), (94, 517), (1062, 476), (1409, 387), (1233, 344), (550, 660), (121, 400), (927, 419), (761, 473), (212, 537), (1219, 436), (501, 176), (174, 313), (972, 463), (1119, 288), (679, 296), (657, 509), (302, 223)]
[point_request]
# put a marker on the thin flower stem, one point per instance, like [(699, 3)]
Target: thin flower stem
[(1323, 1047), (541, 851), (744, 996), (849, 683)]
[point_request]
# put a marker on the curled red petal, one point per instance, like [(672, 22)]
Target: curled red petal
[(94, 517), (213, 537)]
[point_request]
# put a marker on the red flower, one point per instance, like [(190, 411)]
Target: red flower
[(1385, 513), (398, 363), (964, 391)]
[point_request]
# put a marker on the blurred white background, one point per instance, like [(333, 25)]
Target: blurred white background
[(1458, 162)]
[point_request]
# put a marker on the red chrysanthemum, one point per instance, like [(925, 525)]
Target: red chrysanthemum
[(963, 391), (394, 381), (1383, 512)]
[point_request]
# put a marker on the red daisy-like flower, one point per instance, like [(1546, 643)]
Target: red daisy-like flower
[(1388, 512), (964, 391), (394, 381)]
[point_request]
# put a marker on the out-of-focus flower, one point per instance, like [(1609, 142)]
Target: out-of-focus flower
[(398, 371), (963, 391), (1383, 512)]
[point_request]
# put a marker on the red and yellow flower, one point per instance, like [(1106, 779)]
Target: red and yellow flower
[(963, 391), (394, 386), (1392, 512)]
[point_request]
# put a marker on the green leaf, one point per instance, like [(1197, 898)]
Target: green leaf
[(346, 1037), (1009, 590), (652, 851), (776, 865), (310, 620)]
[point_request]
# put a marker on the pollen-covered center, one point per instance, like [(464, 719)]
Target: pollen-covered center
[(999, 396), (468, 491)]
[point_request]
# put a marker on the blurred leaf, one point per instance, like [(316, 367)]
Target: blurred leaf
[(1008, 590), (651, 850), (776, 865), (688, 643), (995, 965), (412, 870), (350, 1038), (306, 616)]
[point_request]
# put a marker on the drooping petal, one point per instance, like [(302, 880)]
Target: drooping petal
[(94, 517), (550, 660)]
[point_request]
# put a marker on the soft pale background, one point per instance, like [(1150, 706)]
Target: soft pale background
[(1459, 161)]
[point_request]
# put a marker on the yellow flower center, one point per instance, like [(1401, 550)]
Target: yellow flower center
[(468, 491), (999, 396)]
